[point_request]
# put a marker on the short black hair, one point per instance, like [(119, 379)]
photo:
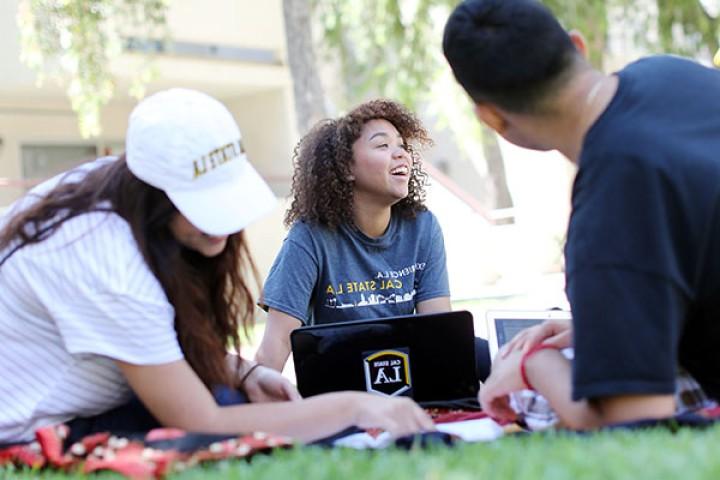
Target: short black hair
[(511, 53)]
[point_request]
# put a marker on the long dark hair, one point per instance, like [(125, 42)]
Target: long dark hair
[(211, 298), (322, 190)]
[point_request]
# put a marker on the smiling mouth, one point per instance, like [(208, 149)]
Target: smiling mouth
[(401, 171)]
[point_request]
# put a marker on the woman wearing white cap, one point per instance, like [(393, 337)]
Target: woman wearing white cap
[(126, 275)]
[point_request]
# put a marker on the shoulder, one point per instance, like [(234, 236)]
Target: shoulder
[(301, 229), (98, 230), (98, 249), (424, 221), (39, 191), (306, 233), (655, 63), (423, 231), (303, 240), (654, 95)]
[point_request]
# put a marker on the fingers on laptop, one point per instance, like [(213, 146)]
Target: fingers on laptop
[(407, 418), (398, 416), (526, 339), (552, 332), (560, 340)]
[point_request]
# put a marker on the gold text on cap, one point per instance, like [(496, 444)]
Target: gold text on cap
[(217, 157)]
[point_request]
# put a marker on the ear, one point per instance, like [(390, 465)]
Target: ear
[(491, 117), (578, 40)]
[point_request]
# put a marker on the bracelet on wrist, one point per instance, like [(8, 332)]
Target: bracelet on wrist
[(247, 375), (524, 359)]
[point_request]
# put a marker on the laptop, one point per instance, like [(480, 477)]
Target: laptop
[(503, 325), (429, 357)]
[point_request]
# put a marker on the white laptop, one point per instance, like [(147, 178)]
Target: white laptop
[(503, 325)]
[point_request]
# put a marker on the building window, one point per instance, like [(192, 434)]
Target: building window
[(44, 161)]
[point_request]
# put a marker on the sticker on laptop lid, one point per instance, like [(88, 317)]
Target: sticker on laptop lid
[(387, 372)]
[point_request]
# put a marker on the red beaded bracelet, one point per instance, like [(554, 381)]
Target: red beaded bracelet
[(523, 361)]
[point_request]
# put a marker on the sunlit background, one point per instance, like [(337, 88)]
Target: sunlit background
[(72, 70)]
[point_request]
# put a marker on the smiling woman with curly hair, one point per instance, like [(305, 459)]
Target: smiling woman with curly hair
[(361, 243), (322, 185)]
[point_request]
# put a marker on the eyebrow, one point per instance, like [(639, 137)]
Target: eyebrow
[(378, 134)]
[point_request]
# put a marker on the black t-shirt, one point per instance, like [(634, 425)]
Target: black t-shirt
[(643, 246)]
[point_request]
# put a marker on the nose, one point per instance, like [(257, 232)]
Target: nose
[(400, 152)]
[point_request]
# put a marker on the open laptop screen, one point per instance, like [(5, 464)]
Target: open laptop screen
[(507, 328), (428, 357), (503, 325)]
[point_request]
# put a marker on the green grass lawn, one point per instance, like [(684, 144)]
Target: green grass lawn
[(653, 454), (650, 454)]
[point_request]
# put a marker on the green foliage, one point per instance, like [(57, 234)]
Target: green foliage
[(77, 39), (687, 27), (385, 47), (590, 17), (392, 47)]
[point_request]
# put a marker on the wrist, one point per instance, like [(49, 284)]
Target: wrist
[(249, 372), (352, 403), (527, 363)]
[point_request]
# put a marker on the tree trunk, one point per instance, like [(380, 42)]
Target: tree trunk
[(496, 171), (307, 89)]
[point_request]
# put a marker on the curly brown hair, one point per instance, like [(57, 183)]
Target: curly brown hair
[(322, 186)]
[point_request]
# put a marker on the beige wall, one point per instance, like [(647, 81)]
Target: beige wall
[(248, 23), (259, 95), (42, 124), (264, 119), (235, 23)]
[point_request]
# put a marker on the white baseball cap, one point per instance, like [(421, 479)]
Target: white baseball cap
[(188, 145)]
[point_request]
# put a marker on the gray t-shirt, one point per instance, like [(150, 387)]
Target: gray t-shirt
[(323, 276)]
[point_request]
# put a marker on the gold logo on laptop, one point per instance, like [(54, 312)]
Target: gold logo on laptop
[(387, 372)]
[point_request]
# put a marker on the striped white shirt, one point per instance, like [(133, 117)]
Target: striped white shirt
[(69, 306)]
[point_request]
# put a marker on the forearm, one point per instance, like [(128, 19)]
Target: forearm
[(549, 372), (583, 414), (275, 346), (238, 368), (176, 398), (273, 352), (434, 305), (308, 420)]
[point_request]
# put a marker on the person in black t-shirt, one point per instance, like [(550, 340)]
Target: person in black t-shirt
[(643, 244)]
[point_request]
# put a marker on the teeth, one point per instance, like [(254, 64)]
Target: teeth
[(400, 170)]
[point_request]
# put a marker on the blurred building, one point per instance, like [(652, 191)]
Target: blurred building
[(235, 51)]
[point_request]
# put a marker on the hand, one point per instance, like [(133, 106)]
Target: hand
[(557, 333), (397, 415), (503, 380), (267, 385)]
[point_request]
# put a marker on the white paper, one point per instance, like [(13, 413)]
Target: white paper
[(480, 430)]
